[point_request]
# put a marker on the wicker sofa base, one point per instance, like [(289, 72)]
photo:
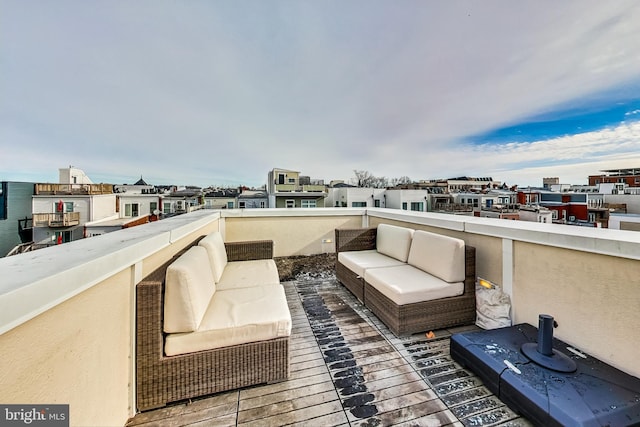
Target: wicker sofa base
[(350, 280), (427, 315), (421, 316), (409, 318), (163, 379)]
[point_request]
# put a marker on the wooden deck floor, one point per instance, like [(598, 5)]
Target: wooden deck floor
[(347, 369)]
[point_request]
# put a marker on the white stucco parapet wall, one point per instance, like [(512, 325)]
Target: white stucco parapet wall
[(617, 243), (34, 282)]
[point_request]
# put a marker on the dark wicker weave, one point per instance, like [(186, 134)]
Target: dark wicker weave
[(162, 379), (428, 315), (358, 239)]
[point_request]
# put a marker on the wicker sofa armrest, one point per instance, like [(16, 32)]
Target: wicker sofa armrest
[(249, 250), (355, 239), (470, 272)]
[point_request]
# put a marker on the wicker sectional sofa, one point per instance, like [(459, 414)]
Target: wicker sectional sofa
[(412, 280), (209, 321)]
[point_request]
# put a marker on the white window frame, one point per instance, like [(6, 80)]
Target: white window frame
[(306, 203), (289, 203)]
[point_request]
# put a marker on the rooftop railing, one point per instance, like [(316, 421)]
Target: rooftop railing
[(57, 219), (67, 312)]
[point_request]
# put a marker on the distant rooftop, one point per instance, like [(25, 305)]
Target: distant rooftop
[(622, 172)]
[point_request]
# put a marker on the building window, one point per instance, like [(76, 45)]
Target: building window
[(404, 206), (358, 204), (131, 209), (417, 206), (229, 205), (308, 203), (153, 206), (554, 214), (263, 204), (376, 203), (166, 207), (242, 204), (291, 180), (290, 203), (62, 237), (281, 178)]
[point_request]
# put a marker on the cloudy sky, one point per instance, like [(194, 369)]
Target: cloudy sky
[(220, 92)]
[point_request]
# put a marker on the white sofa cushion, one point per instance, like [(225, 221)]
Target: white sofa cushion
[(441, 256), (214, 245), (237, 316), (359, 261), (406, 284), (242, 274), (394, 241), (189, 287)]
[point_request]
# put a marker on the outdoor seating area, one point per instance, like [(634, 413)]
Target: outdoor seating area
[(213, 318), (348, 368), (413, 280)]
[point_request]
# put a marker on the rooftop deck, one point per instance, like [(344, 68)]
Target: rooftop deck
[(67, 317), (347, 368)]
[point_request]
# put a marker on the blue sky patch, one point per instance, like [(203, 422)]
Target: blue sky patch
[(587, 115)]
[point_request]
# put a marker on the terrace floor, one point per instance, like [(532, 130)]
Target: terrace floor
[(348, 369)]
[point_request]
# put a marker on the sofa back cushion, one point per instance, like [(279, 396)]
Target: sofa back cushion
[(438, 255), (189, 287), (214, 245), (394, 241)]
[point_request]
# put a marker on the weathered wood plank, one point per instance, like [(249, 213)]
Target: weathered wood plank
[(305, 414)]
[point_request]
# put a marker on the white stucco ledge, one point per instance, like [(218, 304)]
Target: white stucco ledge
[(34, 282), (618, 243), (291, 212), (432, 219)]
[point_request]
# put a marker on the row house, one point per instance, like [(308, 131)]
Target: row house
[(566, 208), (288, 189), (59, 211), (629, 177), (225, 198), (253, 199), (349, 196)]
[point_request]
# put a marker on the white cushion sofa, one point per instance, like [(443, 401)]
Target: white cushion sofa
[(412, 280), (362, 249), (213, 318), (200, 315)]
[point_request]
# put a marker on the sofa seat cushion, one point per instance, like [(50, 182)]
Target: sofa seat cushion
[(243, 274), (359, 261), (394, 241), (406, 284), (438, 255), (189, 287), (236, 316)]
